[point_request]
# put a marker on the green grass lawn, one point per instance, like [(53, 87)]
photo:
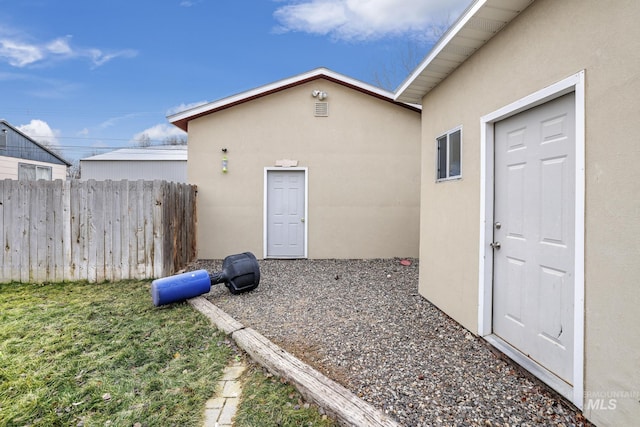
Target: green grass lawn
[(79, 354), (267, 401)]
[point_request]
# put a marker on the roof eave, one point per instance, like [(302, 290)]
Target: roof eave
[(482, 20), (182, 119)]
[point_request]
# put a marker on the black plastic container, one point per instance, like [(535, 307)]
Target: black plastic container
[(240, 273)]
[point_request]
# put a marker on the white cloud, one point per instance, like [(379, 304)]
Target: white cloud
[(41, 132), (99, 58), (60, 46), (20, 53), (318, 17), (189, 3), (184, 107), (112, 121), (369, 19), (160, 132)]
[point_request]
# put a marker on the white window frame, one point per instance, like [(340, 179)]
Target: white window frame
[(36, 168), (448, 176)]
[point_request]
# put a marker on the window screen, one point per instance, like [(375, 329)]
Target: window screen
[(34, 172), (43, 172)]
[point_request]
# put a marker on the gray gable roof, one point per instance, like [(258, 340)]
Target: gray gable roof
[(21, 146)]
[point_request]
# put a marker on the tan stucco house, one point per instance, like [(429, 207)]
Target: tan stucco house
[(530, 202), (318, 165)]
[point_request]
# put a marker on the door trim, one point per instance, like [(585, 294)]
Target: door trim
[(306, 207), (576, 84)]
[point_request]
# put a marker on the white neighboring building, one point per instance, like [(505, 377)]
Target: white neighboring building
[(163, 162)]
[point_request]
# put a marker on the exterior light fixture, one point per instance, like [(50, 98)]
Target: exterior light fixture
[(225, 162), (320, 94)]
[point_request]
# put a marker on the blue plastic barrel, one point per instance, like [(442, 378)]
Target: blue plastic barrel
[(180, 287)]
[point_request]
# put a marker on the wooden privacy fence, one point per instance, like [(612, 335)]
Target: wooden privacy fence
[(54, 231)]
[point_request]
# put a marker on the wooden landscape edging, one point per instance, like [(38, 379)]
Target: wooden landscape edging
[(337, 401)]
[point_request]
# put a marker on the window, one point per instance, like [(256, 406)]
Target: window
[(33, 172), (3, 139), (449, 155)]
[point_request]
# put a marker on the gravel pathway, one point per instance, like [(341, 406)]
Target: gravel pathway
[(363, 324)]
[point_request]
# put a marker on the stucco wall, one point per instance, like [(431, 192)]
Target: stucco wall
[(363, 172), (549, 41)]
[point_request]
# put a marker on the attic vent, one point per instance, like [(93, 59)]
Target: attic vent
[(322, 109)]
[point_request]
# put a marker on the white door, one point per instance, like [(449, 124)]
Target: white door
[(285, 214), (533, 288)]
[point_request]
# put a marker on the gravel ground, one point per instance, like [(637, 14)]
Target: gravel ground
[(363, 324)]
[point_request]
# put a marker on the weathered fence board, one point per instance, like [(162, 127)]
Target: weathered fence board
[(158, 244), (25, 222), (53, 231), (4, 261)]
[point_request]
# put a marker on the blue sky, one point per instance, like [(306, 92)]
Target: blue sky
[(85, 75)]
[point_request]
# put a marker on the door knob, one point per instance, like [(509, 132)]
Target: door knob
[(495, 245), (301, 219)]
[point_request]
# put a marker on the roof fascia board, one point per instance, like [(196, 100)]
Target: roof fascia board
[(181, 119), (441, 45)]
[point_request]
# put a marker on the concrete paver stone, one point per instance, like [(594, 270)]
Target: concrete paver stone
[(221, 408)]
